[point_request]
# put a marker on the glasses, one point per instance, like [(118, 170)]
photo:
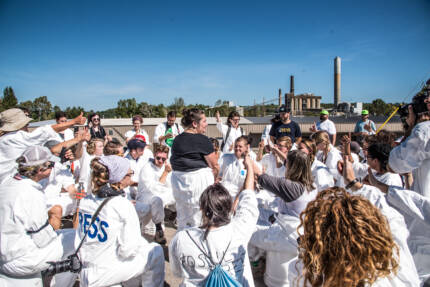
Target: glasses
[(163, 159), (49, 165), (235, 120), (96, 119)]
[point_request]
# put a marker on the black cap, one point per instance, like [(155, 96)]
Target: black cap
[(284, 109), (135, 143)]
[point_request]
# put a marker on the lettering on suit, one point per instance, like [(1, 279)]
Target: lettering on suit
[(97, 229)]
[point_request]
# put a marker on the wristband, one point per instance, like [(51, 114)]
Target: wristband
[(351, 183)]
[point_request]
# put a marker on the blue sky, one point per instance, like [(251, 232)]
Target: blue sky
[(94, 53)]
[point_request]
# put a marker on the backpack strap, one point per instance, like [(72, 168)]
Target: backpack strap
[(204, 252), (226, 137)]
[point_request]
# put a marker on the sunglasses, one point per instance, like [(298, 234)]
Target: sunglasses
[(161, 158), (50, 164), (96, 119)]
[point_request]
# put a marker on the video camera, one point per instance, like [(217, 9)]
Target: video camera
[(418, 104)]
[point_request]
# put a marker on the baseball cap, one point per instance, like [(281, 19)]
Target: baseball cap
[(365, 112), (324, 112), (140, 137), (36, 155), (284, 109), (13, 120), (135, 143)]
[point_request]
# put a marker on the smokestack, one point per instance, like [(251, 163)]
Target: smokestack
[(337, 78), (279, 97), (292, 85)]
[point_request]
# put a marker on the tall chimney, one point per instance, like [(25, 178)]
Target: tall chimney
[(292, 85), (279, 97), (337, 79)]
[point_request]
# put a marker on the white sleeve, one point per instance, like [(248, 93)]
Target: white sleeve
[(37, 137), (323, 178), (174, 260), (360, 169), (332, 128), (130, 236), (147, 182), (410, 202), (413, 151), (246, 215), (222, 128), (129, 134), (159, 131)]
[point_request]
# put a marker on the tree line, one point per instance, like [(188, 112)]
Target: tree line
[(41, 108)]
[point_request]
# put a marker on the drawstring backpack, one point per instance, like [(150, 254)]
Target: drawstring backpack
[(218, 277)]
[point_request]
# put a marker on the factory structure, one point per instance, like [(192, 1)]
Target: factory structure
[(308, 102)]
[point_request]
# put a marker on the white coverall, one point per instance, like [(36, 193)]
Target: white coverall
[(234, 134), (23, 256), (13, 144), (136, 166), (268, 163), (407, 273), (60, 178), (416, 210), (187, 261), (414, 155), (152, 195), (321, 175), (114, 251), (233, 173), (333, 156), (279, 241), (187, 188)]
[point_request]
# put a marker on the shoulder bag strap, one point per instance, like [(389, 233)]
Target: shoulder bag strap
[(92, 221)]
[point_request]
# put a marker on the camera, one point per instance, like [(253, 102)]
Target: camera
[(418, 104), (72, 264)]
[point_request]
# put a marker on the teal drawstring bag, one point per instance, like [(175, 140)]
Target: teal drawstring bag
[(218, 277)]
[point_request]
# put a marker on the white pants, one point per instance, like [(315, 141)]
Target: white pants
[(153, 209), (145, 269), (187, 188), (25, 281)]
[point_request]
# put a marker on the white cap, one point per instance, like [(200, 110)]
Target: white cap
[(36, 155)]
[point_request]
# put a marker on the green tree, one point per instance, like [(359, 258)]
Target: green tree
[(42, 108), (73, 112), (9, 100), (127, 108), (178, 105)]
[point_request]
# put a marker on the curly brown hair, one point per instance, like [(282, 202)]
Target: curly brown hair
[(346, 241)]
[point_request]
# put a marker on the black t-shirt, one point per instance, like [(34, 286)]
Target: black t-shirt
[(291, 129), (98, 134), (188, 151)]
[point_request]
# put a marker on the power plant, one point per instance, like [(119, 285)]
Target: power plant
[(308, 101)]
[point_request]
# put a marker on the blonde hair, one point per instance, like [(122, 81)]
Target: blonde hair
[(322, 137), (287, 140), (91, 147), (346, 241)]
